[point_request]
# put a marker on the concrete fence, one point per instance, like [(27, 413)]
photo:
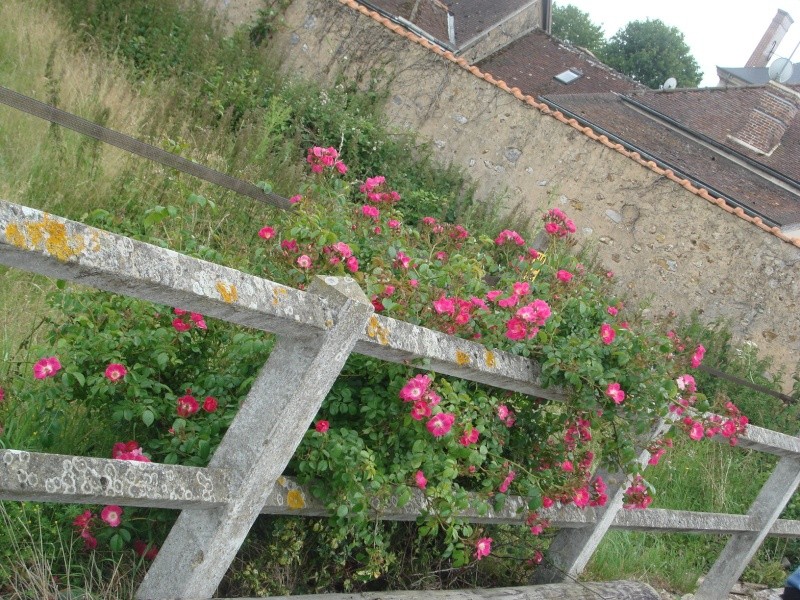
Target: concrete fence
[(317, 330)]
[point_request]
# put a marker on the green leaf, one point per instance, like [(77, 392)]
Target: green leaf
[(148, 417), (342, 510)]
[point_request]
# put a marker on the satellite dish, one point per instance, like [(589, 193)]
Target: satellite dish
[(670, 84), (781, 70)]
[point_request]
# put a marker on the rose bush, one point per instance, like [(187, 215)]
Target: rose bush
[(387, 431)]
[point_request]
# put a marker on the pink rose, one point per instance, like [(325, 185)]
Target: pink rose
[(322, 426), (46, 367), (115, 372)]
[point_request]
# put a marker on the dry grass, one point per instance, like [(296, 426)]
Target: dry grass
[(39, 570)]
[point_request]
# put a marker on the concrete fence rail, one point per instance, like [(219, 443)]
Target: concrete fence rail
[(317, 330)]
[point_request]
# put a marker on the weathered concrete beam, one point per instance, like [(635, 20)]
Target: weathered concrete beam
[(766, 440), (80, 480), (41, 243), (397, 341), (619, 590), (290, 498)]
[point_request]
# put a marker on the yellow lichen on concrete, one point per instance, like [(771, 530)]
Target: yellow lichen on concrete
[(228, 291), (15, 236), (490, 359), (276, 292), (282, 481), (48, 235), (462, 358), (295, 500), (377, 331)]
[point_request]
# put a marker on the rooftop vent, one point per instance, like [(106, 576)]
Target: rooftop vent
[(569, 76)]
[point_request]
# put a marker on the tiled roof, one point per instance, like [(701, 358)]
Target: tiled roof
[(532, 61), (683, 153), (572, 122), (719, 112), (470, 17)]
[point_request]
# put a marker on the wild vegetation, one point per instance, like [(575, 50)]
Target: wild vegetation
[(90, 373)]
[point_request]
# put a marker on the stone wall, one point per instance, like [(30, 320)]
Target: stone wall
[(669, 247)]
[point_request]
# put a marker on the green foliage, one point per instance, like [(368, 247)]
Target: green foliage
[(650, 52), (576, 27)]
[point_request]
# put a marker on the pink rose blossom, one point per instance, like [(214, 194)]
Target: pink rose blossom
[(46, 367), (266, 233), (322, 426), (507, 235), (393, 224), (2, 394), (581, 498), (686, 382), (304, 261), (413, 283), (503, 412), (128, 451), (115, 372), (696, 432), (483, 547), (198, 320), (607, 333), (612, 311), (521, 288), (403, 260), (697, 358), (516, 329), (210, 404), (89, 541), (469, 438), (564, 276), (352, 264), (507, 481), (614, 392), (567, 466), (295, 199), (290, 246), (492, 295), (415, 388), (180, 325), (440, 424), (370, 211), (144, 550), (420, 481), (444, 305), (187, 406), (421, 410), (547, 502), (112, 515)]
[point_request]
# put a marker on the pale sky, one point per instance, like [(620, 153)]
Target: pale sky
[(723, 33)]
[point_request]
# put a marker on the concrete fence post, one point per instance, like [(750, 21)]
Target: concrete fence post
[(269, 426), (741, 548)]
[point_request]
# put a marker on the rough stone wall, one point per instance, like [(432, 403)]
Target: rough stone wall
[(667, 246)]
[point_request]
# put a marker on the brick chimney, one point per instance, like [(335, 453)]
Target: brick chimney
[(771, 39), (768, 121)]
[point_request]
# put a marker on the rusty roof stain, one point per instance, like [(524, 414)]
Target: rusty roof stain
[(572, 122)]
